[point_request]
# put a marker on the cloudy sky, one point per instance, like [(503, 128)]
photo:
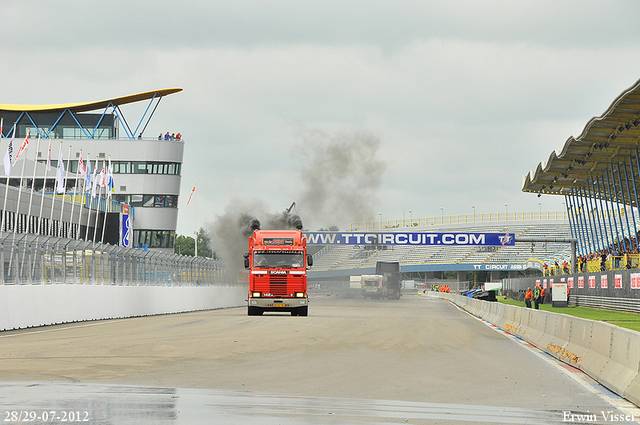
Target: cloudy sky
[(351, 109)]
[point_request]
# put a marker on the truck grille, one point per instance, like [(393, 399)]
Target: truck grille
[(278, 285)]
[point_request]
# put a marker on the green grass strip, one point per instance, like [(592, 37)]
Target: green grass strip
[(618, 318)]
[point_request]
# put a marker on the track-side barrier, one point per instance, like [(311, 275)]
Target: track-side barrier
[(607, 353)]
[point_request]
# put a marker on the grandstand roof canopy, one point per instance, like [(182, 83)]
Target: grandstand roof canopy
[(90, 106), (608, 144)]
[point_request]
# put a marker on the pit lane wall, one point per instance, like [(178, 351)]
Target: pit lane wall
[(24, 306), (607, 353)]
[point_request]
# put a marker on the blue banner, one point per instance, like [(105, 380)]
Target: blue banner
[(125, 227), (409, 238)]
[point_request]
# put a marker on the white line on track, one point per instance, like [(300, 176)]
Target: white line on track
[(620, 403)]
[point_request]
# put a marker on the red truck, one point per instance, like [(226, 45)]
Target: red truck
[(277, 262)]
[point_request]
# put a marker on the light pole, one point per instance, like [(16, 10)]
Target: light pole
[(441, 215), (380, 214), (540, 207), (474, 212), (410, 218), (506, 211)]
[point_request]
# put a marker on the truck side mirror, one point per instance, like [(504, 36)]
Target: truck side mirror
[(246, 261), (309, 260)]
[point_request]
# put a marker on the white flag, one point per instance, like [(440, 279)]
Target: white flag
[(9, 155), (110, 183), (103, 182), (49, 157), (83, 170), (60, 178), (88, 176), (24, 146), (95, 179)]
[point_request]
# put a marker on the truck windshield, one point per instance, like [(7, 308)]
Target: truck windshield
[(278, 259)]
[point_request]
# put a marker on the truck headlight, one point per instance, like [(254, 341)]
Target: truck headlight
[(256, 294), (299, 294)]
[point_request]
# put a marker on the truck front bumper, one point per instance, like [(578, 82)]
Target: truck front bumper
[(278, 304)]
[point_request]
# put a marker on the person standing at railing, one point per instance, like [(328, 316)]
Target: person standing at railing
[(528, 296), (536, 296), (545, 270)]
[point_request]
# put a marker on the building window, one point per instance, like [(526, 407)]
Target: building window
[(154, 238), (151, 201), (141, 167)]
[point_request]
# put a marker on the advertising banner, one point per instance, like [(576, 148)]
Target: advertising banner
[(125, 227), (409, 238)]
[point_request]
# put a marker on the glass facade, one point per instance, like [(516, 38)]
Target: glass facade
[(125, 167), (154, 238), (166, 201)]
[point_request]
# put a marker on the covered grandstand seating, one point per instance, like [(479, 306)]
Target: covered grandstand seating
[(343, 257)]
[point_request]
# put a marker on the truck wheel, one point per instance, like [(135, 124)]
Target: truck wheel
[(303, 311), (254, 311)]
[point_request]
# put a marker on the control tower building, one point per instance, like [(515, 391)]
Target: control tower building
[(146, 171)]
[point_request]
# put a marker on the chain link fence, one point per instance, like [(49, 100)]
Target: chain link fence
[(28, 259)]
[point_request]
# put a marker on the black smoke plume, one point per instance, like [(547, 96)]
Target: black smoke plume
[(341, 177)]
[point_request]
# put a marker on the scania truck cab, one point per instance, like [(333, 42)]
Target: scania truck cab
[(277, 262)]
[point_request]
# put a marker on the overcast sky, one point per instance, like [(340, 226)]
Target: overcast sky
[(348, 108)]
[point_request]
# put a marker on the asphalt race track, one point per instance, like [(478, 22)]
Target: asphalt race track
[(417, 360)]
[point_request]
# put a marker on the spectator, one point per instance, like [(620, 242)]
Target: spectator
[(167, 136), (140, 136), (160, 136), (527, 297), (173, 136), (178, 136), (536, 296)]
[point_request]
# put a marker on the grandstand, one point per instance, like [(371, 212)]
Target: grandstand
[(342, 260)]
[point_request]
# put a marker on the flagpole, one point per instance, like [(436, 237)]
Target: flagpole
[(95, 228), (7, 173), (24, 147), (33, 181), (44, 186), (84, 195), (195, 201), (64, 192), (107, 198), (73, 197), (88, 188), (93, 192), (33, 188), (53, 198)]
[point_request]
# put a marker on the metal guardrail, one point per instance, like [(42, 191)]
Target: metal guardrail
[(606, 303), (504, 217), (32, 259)]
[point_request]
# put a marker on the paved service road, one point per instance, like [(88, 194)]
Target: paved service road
[(416, 360)]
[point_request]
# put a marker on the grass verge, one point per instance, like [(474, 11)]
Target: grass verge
[(618, 318)]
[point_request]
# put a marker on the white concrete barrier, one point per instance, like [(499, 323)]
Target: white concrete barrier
[(608, 353), (23, 306)]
